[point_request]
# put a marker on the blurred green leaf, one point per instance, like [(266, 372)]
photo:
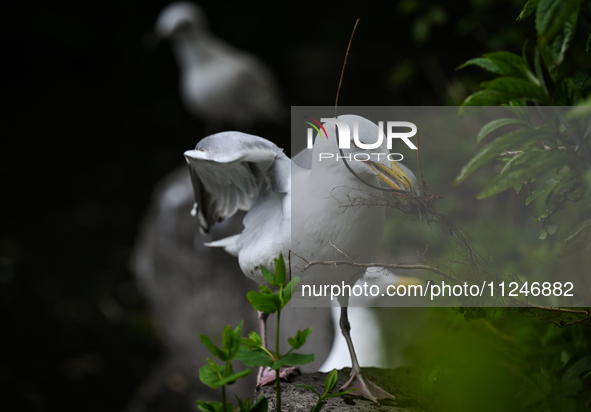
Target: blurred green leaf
[(512, 65), (265, 290), (582, 81), (549, 185), (300, 338), (269, 276), (588, 49), (551, 228), (280, 272), (287, 291), (497, 146), (578, 368), (578, 240), (254, 341), (331, 380), (535, 388), (528, 9), (495, 124), (254, 358), (268, 303), (552, 16), (567, 93), (558, 34), (522, 167), (293, 359), (210, 374), (483, 63), (517, 89), (261, 405), (217, 352), (214, 406)]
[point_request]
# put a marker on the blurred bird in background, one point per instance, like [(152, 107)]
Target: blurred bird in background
[(220, 84)]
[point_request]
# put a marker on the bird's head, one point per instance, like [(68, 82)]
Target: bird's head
[(180, 16), (367, 163)]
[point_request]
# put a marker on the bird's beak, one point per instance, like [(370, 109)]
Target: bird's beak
[(393, 176)]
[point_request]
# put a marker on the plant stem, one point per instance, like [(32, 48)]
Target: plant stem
[(224, 398), (277, 382)]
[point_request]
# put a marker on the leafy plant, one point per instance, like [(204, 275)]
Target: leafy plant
[(556, 151), (253, 353), (329, 384), (216, 376)]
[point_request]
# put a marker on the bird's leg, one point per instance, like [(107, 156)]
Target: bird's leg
[(263, 328), (364, 386), (266, 375)]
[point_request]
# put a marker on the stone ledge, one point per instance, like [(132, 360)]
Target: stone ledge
[(400, 382)]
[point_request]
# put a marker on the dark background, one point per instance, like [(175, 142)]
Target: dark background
[(93, 120)]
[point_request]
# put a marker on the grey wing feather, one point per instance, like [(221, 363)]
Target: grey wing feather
[(228, 171)]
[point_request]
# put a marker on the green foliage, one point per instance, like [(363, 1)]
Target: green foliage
[(252, 353), (556, 151), (329, 384), (218, 376), (267, 301)]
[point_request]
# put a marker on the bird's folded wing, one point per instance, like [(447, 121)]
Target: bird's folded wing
[(228, 171)]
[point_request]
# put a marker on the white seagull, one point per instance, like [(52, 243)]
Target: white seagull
[(299, 209), (218, 82)]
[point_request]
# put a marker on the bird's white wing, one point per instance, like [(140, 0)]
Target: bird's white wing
[(228, 171)]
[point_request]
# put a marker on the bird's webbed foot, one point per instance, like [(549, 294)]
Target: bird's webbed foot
[(365, 388)]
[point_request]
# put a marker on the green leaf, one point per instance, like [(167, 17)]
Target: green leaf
[(280, 271), (579, 240), (300, 338), (555, 47), (497, 146), (337, 394), (261, 405), (209, 374), (528, 9), (495, 124), (514, 88), (227, 341), (265, 290), (214, 406), (232, 378), (578, 368), (553, 16), (293, 359), (254, 341), (233, 350), (217, 352), (551, 228), (289, 288), (264, 302), (331, 380), (512, 65), (548, 187), (567, 93), (582, 81), (482, 98), (254, 358), (269, 276), (543, 234), (481, 62), (522, 167)]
